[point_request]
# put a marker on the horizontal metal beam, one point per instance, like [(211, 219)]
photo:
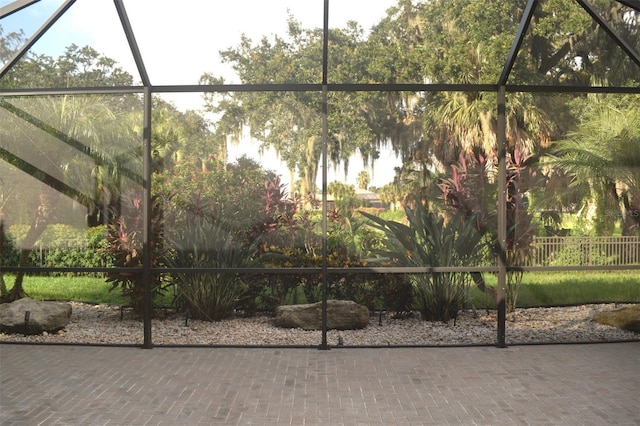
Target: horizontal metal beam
[(571, 89), (48, 91), (222, 88), (410, 87), (403, 87), (333, 87), (206, 88), (52, 269), (310, 271), (330, 270)]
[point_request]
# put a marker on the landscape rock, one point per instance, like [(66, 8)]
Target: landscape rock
[(627, 318), (341, 315), (30, 317), (103, 324)]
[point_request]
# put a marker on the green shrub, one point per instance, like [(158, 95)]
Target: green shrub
[(440, 296), (10, 254), (375, 291), (88, 253), (61, 246), (394, 293), (355, 287), (579, 253), (269, 290)]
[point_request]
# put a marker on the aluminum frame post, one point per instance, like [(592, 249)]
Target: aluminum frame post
[(146, 231), (325, 131), (502, 217)]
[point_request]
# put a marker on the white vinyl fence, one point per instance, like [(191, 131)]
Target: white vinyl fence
[(547, 251), (585, 251)]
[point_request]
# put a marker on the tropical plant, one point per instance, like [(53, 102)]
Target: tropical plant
[(394, 293), (429, 241), (240, 193), (471, 193), (210, 295), (125, 249), (248, 208), (344, 196), (82, 125), (604, 152), (363, 179), (520, 227)]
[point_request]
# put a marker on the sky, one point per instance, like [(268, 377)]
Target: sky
[(180, 40)]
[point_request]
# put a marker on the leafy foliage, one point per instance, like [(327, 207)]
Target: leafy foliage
[(86, 252), (125, 248), (471, 192), (242, 194), (417, 41), (612, 174), (344, 196), (427, 241), (76, 67), (210, 296), (60, 246), (10, 253), (376, 291), (221, 215)]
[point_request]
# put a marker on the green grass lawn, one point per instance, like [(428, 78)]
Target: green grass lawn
[(571, 288), (82, 288), (538, 289)]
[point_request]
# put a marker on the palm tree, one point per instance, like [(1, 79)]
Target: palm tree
[(462, 122), (3, 201), (363, 179), (77, 145), (604, 151)]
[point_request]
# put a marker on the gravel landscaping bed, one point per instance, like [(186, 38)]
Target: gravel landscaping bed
[(102, 324)]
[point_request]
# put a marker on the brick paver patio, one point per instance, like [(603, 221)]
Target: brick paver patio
[(597, 384)]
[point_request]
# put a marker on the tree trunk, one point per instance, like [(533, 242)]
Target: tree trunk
[(3, 285), (631, 219), (40, 221), (17, 291)]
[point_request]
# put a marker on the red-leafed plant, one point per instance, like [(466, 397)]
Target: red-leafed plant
[(125, 247), (472, 191)]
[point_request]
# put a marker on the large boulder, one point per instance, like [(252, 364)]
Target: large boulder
[(627, 318), (341, 315), (28, 316)]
